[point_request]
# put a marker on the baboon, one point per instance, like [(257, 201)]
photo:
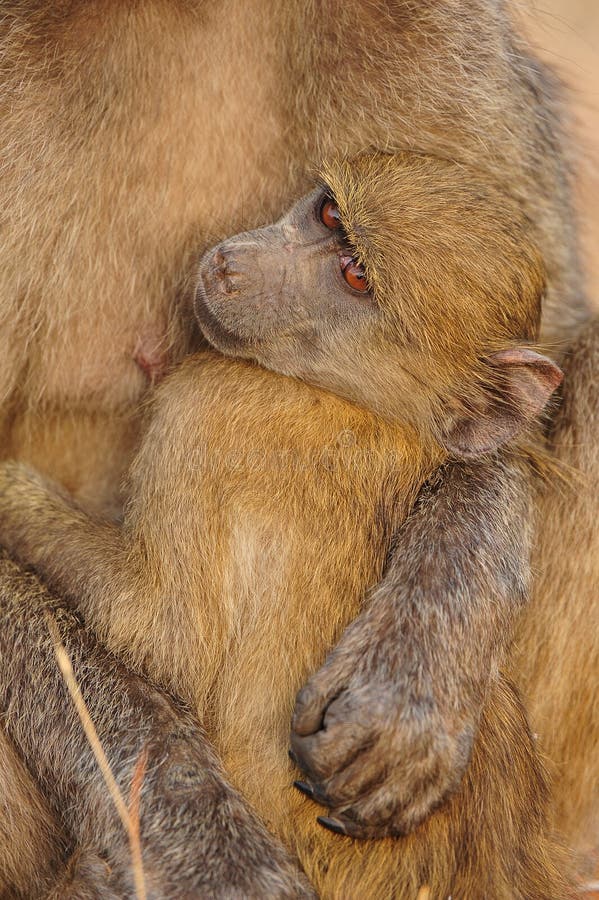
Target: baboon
[(410, 287), (102, 212)]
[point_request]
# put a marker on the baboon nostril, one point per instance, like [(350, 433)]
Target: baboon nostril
[(223, 270), (219, 264)]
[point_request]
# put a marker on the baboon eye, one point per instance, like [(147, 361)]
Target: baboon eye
[(329, 214), (354, 274)]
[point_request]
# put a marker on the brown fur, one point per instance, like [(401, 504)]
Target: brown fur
[(245, 506), (101, 207)]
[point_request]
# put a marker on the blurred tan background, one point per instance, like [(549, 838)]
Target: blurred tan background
[(566, 33)]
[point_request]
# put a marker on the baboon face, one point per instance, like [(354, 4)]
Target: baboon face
[(398, 284), (279, 294), (295, 297)]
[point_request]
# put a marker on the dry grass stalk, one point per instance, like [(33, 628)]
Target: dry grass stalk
[(128, 816), (424, 893), (134, 798)]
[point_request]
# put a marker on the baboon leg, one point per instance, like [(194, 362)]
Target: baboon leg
[(198, 837), (557, 650)]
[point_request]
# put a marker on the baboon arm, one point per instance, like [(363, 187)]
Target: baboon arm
[(42, 526), (103, 572), (81, 558), (403, 690)]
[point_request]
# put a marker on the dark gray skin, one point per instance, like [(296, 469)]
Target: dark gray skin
[(436, 629), (265, 295)]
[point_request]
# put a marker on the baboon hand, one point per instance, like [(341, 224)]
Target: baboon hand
[(376, 747)]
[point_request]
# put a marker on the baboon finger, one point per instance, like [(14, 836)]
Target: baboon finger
[(312, 701)]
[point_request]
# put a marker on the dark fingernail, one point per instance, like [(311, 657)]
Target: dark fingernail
[(331, 824), (304, 787), (292, 756)]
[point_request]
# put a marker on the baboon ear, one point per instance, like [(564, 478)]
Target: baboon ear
[(522, 383)]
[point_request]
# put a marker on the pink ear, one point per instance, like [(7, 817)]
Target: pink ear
[(533, 377), (526, 380)]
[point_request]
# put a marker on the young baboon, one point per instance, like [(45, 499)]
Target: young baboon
[(404, 296), (101, 211)]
